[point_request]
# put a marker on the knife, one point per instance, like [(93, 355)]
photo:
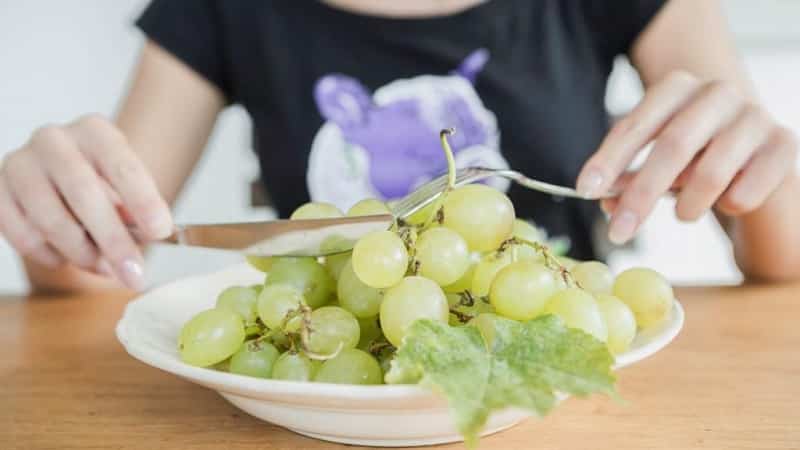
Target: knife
[(306, 237)]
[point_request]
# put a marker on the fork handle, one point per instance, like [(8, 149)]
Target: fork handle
[(550, 188)]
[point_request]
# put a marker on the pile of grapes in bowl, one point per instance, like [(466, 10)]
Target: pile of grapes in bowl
[(458, 321)]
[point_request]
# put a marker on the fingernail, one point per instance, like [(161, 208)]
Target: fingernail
[(623, 225), (589, 183), (160, 225), (132, 274)]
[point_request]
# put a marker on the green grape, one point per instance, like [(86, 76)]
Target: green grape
[(350, 366), (567, 262), (453, 298), (305, 274), (385, 360), (485, 324), (411, 299), (370, 332), (281, 341), (647, 293), (465, 282), (316, 210), (276, 302), (334, 302), (257, 287), (460, 304), (335, 244), (315, 366), (253, 329), (222, 366), (380, 259), (261, 263), (332, 329), (520, 290), (335, 263), (525, 230), (368, 207), (294, 324), (294, 366), (486, 270), (442, 255), (355, 296), (578, 309), (241, 300), (211, 337), (421, 216), (559, 246), (522, 251), (620, 322), (593, 276), (483, 216), (254, 359)]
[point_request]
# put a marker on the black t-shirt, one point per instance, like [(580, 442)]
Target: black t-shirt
[(347, 106)]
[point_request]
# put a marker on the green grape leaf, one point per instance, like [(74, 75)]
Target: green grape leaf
[(528, 364)]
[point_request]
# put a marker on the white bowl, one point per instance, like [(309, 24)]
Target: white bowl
[(398, 415)]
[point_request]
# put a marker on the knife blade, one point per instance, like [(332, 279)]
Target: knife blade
[(306, 237)]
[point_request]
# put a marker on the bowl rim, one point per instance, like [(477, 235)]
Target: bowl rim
[(241, 384)]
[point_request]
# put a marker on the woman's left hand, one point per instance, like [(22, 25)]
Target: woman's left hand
[(712, 145)]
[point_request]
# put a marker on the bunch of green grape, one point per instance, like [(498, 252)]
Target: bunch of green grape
[(463, 260), (339, 318)]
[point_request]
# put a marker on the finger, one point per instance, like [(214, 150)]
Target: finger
[(21, 234), (110, 192), (633, 132), (46, 256), (109, 151), (104, 268), (43, 207), (686, 174), (626, 178), (124, 214), (82, 190), (761, 175), (727, 153), (609, 205), (675, 147)]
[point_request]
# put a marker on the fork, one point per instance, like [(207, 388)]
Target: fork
[(319, 237), (431, 190)]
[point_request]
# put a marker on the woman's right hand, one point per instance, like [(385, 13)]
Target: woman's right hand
[(69, 195)]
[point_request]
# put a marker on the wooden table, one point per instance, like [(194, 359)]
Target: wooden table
[(731, 380)]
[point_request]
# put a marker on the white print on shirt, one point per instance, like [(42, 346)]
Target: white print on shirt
[(385, 145)]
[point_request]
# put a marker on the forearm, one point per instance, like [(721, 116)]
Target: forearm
[(766, 242)]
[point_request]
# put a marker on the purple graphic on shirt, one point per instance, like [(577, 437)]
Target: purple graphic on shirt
[(402, 145)]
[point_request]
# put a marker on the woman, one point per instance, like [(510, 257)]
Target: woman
[(346, 98)]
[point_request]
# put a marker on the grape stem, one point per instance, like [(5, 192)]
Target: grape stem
[(448, 152), (376, 347), (550, 261), (305, 336), (466, 298), (461, 316), (409, 237), (438, 214)]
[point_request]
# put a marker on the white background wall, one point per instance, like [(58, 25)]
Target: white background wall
[(61, 59)]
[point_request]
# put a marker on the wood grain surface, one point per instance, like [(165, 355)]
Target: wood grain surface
[(731, 380)]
